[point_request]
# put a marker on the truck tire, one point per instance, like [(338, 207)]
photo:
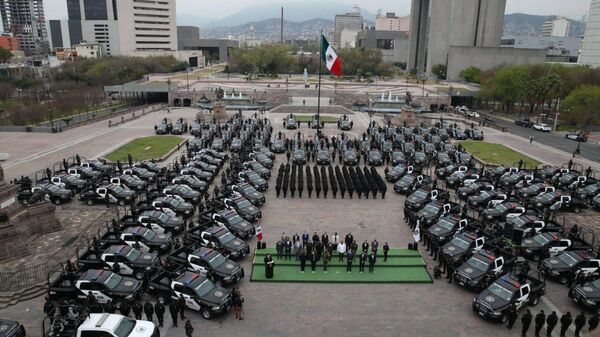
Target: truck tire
[(534, 301), (138, 274), (56, 201), (90, 202), (536, 257), (563, 279), (205, 312)]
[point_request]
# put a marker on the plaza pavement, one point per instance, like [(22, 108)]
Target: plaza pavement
[(437, 309)]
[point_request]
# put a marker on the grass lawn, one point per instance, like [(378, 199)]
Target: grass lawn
[(567, 128), (145, 148), (497, 154), (402, 266), (308, 118)]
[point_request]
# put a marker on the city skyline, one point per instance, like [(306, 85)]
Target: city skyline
[(56, 9)]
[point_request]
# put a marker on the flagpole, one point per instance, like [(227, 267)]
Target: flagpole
[(319, 92)]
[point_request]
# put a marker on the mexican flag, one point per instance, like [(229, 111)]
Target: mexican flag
[(334, 64)]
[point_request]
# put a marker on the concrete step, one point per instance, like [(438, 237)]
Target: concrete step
[(8, 299)]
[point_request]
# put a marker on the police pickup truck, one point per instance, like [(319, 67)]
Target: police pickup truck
[(465, 192), (447, 171), (447, 225), (504, 211), (486, 199), (83, 172), (114, 194), (221, 237), (462, 178), (530, 223), (104, 285), (198, 173), (397, 172), (257, 167), (407, 183), (432, 211), (249, 192), (183, 191), (241, 205), (254, 179), (494, 302), (131, 261), (53, 193), (533, 190), (68, 181), (556, 201), (151, 166), (112, 325), (231, 220), (462, 246), (165, 222), (132, 182), (192, 181), (544, 245), (141, 238), (564, 265), (10, 328), (175, 203), (209, 262), (98, 165), (423, 196), (485, 265), (199, 292), (587, 295), (140, 172)]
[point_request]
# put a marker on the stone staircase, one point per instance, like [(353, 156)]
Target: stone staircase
[(11, 298), (295, 109)]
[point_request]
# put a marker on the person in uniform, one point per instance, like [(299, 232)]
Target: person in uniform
[(124, 309), (137, 310), (326, 258), (540, 320), (512, 316), (181, 305), (159, 309), (565, 323), (302, 260), (551, 322), (189, 329), (580, 321), (110, 307), (149, 311), (593, 322), (526, 322)]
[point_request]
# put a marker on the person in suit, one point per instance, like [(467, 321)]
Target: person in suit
[(302, 258), (305, 239), (149, 311), (362, 259), (315, 238), (313, 260), (349, 260), (365, 246), (325, 238), (269, 265), (540, 320), (288, 249), (374, 246), (386, 250), (348, 240), (372, 259), (159, 309)]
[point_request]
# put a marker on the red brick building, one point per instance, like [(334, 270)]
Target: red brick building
[(10, 43)]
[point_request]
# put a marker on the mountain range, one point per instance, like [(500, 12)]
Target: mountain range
[(305, 21)]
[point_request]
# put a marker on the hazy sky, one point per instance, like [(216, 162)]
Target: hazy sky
[(56, 9)]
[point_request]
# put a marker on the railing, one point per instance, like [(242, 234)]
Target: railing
[(23, 278)]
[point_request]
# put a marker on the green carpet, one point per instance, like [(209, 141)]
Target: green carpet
[(402, 266)]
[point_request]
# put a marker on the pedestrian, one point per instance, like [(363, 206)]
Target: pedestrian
[(326, 258), (580, 321), (302, 260), (372, 260), (362, 260), (349, 259), (313, 260), (565, 322), (551, 322), (173, 310), (341, 249), (124, 309), (449, 271), (279, 249), (189, 329), (525, 322), (288, 249), (540, 320), (386, 250), (593, 322), (159, 309), (181, 306), (374, 246), (137, 310), (149, 311), (110, 307), (512, 316), (238, 304), (530, 139)]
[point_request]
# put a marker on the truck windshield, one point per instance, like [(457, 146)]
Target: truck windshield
[(445, 225), (149, 235), (460, 243), (567, 259), (217, 261), (125, 327), (478, 264), (133, 255), (204, 288), (501, 292), (227, 237), (112, 281), (540, 239)]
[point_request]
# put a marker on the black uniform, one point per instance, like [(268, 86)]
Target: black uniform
[(173, 310), (125, 309), (580, 321), (551, 322), (512, 316), (137, 310), (565, 323), (526, 322), (159, 309), (540, 320), (149, 311)]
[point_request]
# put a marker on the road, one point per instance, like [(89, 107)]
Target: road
[(589, 150)]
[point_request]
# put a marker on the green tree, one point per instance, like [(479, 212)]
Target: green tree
[(506, 86), (5, 55), (583, 104), (6, 90), (471, 74), (439, 70)]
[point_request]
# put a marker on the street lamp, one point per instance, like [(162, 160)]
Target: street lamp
[(187, 76), (169, 92), (51, 121)]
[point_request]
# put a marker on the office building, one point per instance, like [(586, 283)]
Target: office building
[(558, 49), (590, 49), (558, 27), (348, 38), (391, 22), (350, 21), (419, 27), (392, 44), (24, 20), (123, 27), (10, 43), (188, 39)]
